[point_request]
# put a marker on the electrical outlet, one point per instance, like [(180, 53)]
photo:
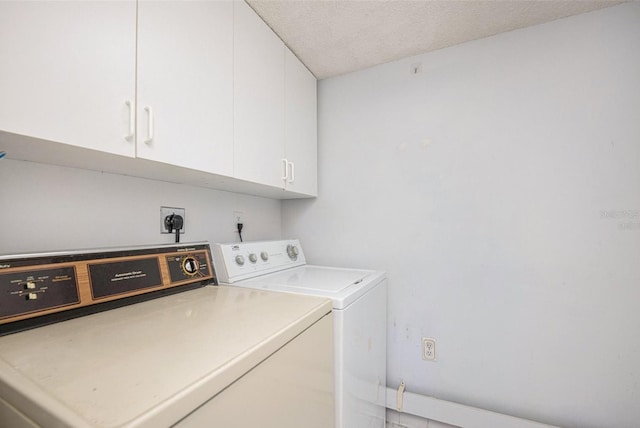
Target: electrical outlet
[(167, 211), (428, 349), (238, 217)]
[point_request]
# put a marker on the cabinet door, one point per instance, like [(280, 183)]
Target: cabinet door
[(67, 71), (185, 84), (301, 148), (258, 99)]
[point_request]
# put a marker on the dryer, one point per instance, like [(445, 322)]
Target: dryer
[(141, 337), (359, 308)]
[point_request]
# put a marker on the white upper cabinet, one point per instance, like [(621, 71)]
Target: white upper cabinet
[(67, 72), (301, 147), (202, 89), (258, 100), (185, 84), (275, 125)]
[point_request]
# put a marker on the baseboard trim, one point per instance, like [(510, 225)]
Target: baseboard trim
[(455, 414)]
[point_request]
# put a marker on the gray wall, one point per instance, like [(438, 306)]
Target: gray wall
[(500, 189), (48, 208)]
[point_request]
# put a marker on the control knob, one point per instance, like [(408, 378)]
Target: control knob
[(190, 266), (239, 260), (253, 258), (264, 256), (292, 252)]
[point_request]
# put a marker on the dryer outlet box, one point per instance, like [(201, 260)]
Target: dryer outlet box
[(167, 211)]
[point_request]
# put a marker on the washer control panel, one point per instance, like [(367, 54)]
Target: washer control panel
[(243, 260), (40, 285)]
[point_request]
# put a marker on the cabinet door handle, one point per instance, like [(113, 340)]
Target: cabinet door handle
[(132, 121), (149, 125), (292, 171), (286, 169)]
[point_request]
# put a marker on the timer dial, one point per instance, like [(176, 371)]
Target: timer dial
[(190, 266)]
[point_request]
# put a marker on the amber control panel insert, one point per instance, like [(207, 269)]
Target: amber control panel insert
[(35, 285)]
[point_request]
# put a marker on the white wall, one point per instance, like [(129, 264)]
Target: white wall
[(500, 189), (47, 207)]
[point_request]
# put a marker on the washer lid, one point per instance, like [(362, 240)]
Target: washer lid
[(341, 285)]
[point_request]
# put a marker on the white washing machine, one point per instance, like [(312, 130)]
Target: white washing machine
[(359, 308)]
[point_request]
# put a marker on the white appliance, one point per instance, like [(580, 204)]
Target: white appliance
[(206, 356), (359, 309)]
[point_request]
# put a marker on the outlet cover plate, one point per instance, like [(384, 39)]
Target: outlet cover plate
[(428, 349), (167, 211)]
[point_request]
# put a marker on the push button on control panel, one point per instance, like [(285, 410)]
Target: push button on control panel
[(32, 296)]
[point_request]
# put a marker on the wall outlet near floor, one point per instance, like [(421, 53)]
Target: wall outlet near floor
[(428, 349), (167, 211)]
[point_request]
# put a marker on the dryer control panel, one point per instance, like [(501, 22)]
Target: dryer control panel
[(35, 286)]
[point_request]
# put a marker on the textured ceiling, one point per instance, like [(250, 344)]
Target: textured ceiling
[(336, 37)]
